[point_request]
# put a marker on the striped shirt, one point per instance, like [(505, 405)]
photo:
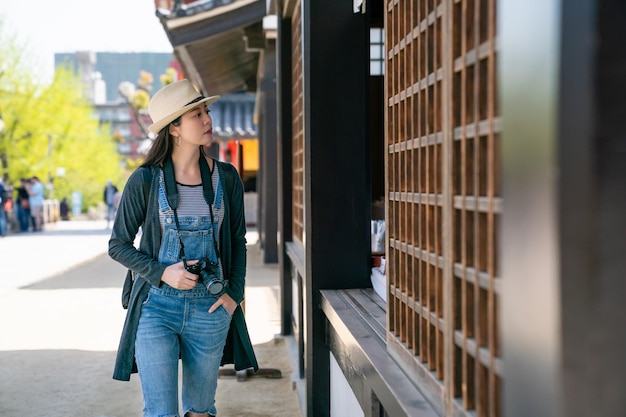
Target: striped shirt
[(191, 200)]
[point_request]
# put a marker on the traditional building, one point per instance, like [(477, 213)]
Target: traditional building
[(493, 141)]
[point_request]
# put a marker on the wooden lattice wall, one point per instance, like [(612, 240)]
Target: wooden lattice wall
[(443, 207), (298, 127)]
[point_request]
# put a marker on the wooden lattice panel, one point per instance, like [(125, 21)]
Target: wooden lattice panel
[(442, 200), (298, 127), (415, 179), (477, 206)]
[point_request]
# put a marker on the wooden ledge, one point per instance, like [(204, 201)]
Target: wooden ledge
[(357, 339)]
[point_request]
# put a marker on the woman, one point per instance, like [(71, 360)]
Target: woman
[(190, 209)]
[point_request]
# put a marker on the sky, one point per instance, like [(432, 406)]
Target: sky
[(48, 26)]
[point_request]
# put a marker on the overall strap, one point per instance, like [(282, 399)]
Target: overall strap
[(207, 183)]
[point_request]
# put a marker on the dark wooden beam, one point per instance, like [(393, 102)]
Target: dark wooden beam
[(337, 192), (284, 168)]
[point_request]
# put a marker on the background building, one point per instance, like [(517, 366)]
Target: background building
[(116, 67)]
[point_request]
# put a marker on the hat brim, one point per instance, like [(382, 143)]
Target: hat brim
[(160, 124)]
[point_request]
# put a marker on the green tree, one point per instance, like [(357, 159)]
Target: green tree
[(50, 130), (86, 150)]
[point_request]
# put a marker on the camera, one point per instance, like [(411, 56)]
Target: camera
[(209, 274)]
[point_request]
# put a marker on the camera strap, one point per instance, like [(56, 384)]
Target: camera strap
[(172, 197)]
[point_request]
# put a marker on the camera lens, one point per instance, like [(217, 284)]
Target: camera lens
[(215, 287)]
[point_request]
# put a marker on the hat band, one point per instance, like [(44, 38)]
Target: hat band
[(195, 100)]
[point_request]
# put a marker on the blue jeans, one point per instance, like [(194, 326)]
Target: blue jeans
[(23, 217), (176, 323)]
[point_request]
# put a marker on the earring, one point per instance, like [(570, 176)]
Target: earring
[(177, 141)]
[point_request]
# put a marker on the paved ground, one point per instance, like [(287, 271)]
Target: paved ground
[(61, 320)]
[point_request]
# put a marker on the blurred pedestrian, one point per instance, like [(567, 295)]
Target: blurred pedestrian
[(23, 206), (109, 200), (3, 217), (192, 215), (64, 209), (7, 205), (36, 196)]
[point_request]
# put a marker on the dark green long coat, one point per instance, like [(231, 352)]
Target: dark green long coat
[(139, 207)]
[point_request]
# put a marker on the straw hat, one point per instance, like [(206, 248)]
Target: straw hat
[(172, 101)]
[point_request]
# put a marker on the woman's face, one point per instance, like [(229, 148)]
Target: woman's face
[(196, 127)]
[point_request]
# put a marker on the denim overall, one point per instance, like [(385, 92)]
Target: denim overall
[(176, 323)]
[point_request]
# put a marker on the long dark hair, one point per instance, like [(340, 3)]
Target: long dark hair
[(163, 145)]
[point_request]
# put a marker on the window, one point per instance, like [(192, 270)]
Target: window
[(377, 48)]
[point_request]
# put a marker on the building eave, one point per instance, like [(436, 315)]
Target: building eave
[(211, 45)]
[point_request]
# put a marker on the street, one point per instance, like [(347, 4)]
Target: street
[(61, 321)]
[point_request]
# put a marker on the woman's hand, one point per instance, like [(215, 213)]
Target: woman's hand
[(225, 300), (178, 277)]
